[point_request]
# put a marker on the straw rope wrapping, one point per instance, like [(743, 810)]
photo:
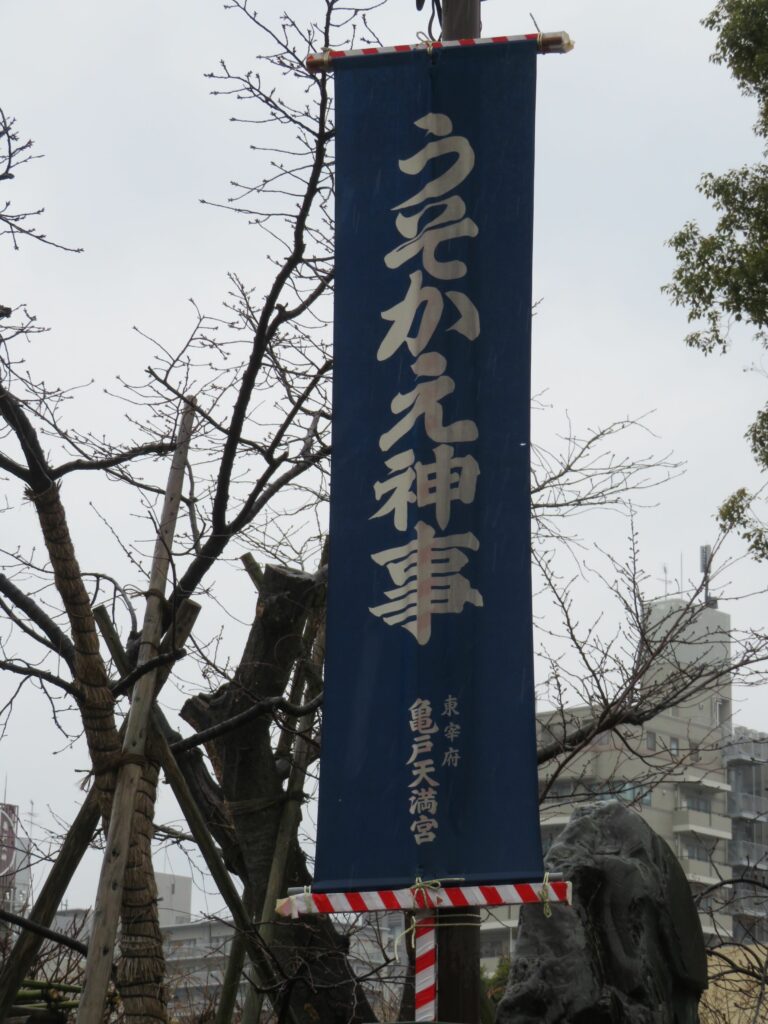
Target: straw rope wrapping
[(141, 968), (91, 681)]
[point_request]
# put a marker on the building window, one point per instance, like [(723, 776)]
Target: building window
[(698, 802), (494, 946), (694, 849), (722, 712), (705, 903), (635, 794), (650, 740), (674, 745)]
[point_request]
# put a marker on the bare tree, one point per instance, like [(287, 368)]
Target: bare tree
[(256, 482), (15, 151)]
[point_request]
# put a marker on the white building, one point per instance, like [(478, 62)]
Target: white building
[(682, 772), (15, 862), (197, 953)]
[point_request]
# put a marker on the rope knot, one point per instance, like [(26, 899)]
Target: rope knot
[(544, 896)]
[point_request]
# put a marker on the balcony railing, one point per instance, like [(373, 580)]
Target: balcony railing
[(700, 870), (742, 905), (754, 855), (748, 805), (703, 822), (746, 751)]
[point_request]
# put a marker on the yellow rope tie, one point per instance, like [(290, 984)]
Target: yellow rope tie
[(410, 930), (426, 41), (544, 896), (423, 887), (420, 886)]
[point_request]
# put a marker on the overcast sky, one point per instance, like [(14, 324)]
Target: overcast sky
[(115, 98)]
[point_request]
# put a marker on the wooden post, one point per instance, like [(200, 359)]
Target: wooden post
[(461, 19), (289, 823), (109, 893), (458, 930), (245, 936), (214, 861)]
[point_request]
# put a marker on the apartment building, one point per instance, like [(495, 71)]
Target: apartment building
[(15, 862), (746, 758), (681, 771), (197, 951)]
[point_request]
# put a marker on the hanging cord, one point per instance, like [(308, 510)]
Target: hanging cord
[(544, 894), (437, 9), (425, 41), (401, 936)]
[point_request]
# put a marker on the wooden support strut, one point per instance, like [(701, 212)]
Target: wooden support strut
[(109, 892), (246, 936), (18, 964)]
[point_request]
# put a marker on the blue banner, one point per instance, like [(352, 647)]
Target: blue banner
[(428, 765)]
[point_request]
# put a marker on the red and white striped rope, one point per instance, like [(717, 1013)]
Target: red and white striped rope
[(548, 42), (425, 974), (424, 895)]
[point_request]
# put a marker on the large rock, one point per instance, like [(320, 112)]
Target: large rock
[(630, 949)]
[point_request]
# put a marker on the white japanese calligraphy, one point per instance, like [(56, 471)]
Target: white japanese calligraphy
[(427, 574), (403, 317), (438, 124), (445, 227), (449, 478), (424, 829), (424, 400)]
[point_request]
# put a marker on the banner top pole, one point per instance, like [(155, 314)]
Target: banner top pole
[(547, 42)]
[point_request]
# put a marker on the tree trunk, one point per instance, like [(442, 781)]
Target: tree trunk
[(142, 955), (318, 984), (95, 697)]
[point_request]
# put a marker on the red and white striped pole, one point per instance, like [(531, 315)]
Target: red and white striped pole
[(425, 899), (547, 42), (425, 982)]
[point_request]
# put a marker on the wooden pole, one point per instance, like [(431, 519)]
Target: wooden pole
[(214, 861), (289, 823), (109, 893), (458, 930), (461, 19), (245, 938)]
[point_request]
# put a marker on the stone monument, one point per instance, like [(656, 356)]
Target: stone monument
[(629, 951)]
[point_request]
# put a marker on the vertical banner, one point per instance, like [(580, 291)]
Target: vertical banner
[(428, 765)]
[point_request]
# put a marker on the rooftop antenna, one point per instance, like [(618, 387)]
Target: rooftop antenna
[(665, 570), (705, 566), (31, 817)]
